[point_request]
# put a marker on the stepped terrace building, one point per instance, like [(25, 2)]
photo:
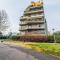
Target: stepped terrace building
[(33, 21)]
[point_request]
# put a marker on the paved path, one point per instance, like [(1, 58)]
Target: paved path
[(8, 52)]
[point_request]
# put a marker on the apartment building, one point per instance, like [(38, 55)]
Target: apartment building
[(33, 21)]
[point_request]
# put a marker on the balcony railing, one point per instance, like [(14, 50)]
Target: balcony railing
[(31, 22), (36, 6), (36, 27), (27, 12), (33, 28), (36, 16), (24, 17)]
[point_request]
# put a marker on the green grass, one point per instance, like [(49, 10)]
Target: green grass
[(50, 48)]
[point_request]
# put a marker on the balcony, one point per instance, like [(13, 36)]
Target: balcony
[(25, 17), (22, 30), (31, 22), (30, 12), (23, 24), (36, 16), (35, 22), (36, 28), (32, 28), (33, 7)]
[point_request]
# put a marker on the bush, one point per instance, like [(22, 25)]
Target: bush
[(33, 38), (14, 37), (3, 37), (50, 38), (57, 37)]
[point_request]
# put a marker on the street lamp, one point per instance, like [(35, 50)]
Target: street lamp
[(54, 36)]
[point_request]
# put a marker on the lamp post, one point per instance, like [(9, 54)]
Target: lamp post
[(54, 35)]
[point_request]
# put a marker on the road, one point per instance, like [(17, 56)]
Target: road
[(9, 52)]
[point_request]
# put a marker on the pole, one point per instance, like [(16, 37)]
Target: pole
[(54, 36)]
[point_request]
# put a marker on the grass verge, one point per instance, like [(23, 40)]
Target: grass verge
[(49, 48)]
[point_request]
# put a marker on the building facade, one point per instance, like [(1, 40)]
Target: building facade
[(33, 20)]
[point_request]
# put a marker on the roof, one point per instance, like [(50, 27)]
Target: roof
[(36, 3)]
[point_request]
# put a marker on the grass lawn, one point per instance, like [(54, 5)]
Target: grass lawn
[(50, 48)]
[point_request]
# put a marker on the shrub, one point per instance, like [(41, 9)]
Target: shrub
[(50, 39), (3, 37), (33, 38)]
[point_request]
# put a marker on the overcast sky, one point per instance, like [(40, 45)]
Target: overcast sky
[(15, 9)]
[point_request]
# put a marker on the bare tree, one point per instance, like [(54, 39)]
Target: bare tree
[(3, 21)]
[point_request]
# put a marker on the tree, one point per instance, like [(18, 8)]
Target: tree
[(3, 21), (0, 34)]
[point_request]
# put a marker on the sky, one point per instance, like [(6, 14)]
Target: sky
[(15, 9)]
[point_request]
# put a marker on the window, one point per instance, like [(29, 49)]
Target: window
[(39, 25)]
